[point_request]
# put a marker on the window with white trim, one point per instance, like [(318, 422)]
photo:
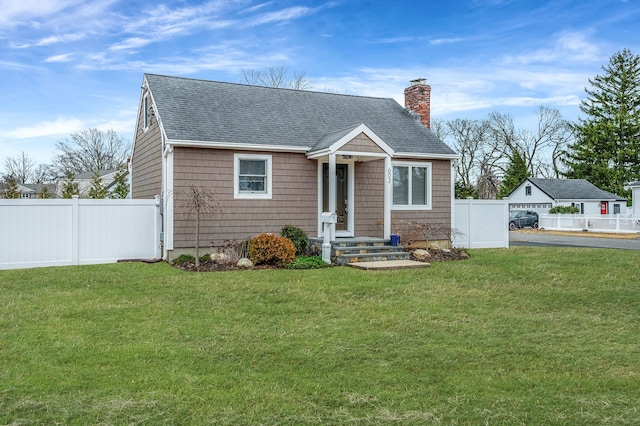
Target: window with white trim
[(527, 190), (412, 186), (252, 176)]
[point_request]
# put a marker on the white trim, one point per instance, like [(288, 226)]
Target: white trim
[(388, 194), (168, 199), (427, 156), (362, 128), (236, 176), (410, 206), (351, 201), (453, 194), (237, 146)]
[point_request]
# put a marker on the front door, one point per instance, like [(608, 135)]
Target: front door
[(342, 194)]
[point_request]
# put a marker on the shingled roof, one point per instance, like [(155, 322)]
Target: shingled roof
[(209, 111), (573, 189)]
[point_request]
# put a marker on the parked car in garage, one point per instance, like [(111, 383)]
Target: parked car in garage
[(522, 218)]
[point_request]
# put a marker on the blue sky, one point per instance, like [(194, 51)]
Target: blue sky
[(67, 65)]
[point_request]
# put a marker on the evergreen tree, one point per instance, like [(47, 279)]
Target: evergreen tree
[(69, 187), (97, 189), (45, 193), (463, 191), (607, 147), (516, 172), (121, 186), (11, 189)]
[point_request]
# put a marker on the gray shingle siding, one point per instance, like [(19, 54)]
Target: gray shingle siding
[(209, 111)]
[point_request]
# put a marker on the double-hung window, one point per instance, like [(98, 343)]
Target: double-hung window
[(412, 186), (252, 176)]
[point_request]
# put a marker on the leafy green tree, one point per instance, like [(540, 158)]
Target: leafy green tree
[(516, 172), (11, 188), (97, 189), (120, 185), (69, 187), (607, 147)]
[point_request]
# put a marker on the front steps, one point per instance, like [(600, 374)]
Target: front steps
[(356, 250)]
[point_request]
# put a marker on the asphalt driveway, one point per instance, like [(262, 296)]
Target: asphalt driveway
[(546, 238)]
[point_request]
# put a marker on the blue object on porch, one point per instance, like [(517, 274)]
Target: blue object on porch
[(395, 240)]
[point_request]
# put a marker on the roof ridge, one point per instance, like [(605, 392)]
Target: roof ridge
[(267, 87)]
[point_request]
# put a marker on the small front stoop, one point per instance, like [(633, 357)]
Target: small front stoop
[(345, 251)]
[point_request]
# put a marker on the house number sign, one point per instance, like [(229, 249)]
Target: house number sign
[(389, 175)]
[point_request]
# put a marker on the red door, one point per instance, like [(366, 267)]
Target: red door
[(603, 207)]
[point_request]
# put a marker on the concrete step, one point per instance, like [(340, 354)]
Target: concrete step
[(343, 259)]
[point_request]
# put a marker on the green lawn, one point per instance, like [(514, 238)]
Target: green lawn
[(526, 336)]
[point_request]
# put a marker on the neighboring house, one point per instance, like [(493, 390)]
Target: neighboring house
[(278, 157), (540, 195), (30, 190), (83, 181)]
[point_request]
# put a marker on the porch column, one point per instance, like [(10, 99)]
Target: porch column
[(388, 187), (332, 191)]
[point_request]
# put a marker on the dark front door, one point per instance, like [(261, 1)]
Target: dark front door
[(342, 191)]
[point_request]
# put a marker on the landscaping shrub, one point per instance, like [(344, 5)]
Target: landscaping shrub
[(564, 210), (308, 262), (297, 236), (187, 258), (269, 249), (183, 258)]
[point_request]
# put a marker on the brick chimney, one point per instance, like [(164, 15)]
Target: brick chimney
[(418, 98)]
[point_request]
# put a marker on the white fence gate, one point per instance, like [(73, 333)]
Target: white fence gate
[(57, 232), (481, 223)]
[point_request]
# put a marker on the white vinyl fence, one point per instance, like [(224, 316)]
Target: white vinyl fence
[(615, 223), (58, 232), (481, 223)]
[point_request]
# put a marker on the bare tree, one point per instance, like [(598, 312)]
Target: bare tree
[(199, 200), (21, 168), (542, 148), (486, 147), (277, 77), (470, 141), (89, 150)]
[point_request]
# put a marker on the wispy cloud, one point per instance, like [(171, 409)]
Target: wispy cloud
[(67, 57), (64, 38), (438, 41), (61, 126), (569, 46), (131, 43), (416, 39), (16, 13)]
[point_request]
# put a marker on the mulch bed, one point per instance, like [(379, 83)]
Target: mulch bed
[(438, 255)]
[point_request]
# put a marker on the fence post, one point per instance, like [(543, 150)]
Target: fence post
[(75, 230), (158, 228), (469, 201)]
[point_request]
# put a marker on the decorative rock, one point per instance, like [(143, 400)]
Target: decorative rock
[(446, 250), (421, 254), (218, 257), (245, 263)]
